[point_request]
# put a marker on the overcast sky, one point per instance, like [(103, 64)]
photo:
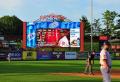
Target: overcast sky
[(29, 10)]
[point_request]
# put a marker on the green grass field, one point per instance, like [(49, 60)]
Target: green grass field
[(40, 71)]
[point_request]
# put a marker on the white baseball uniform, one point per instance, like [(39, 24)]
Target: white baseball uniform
[(104, 70), (63, 42)]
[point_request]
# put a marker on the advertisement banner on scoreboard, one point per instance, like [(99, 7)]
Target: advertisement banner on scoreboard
[(75, 37), (31, 35), (55, 25), (58, 55), (43, 55), (70, 55), (15, 55), (29, 55)]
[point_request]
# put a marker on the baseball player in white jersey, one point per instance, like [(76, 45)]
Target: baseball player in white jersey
[(105, 62)]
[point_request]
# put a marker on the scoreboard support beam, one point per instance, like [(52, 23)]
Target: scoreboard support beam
[(24, 35), (82, 36)]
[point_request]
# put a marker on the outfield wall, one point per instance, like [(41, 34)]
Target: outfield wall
[(48, 55)]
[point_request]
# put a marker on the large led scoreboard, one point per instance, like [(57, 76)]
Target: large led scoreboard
[(53, 34)]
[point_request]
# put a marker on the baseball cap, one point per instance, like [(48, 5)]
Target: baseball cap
[(107, 43)]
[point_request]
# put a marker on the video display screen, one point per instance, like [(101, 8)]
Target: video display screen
[(53, 37), (53, 34)]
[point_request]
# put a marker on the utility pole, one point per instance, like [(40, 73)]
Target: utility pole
[(91, 25)]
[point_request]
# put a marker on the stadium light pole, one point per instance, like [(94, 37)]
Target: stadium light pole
[(91, 10)]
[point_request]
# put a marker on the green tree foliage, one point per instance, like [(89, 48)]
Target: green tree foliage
[(10, 25), (96, 27), (1, 28), (86, 23), (117, 28), (109, 22)]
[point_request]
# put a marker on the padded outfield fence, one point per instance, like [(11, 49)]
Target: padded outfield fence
[(55, 55)]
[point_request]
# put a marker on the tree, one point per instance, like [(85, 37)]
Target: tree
[(118, 23), (108, 19), (87, 24), (11, 25), (1, 28), (96, 27), (117, 28)]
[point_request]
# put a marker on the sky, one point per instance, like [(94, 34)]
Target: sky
[(30, 10)]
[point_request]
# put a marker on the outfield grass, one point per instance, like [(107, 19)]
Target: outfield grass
[(39, 71)]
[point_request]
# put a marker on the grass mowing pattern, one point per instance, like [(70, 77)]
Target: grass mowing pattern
[(38, 71)]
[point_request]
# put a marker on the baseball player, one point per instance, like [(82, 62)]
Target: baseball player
[(88, 68), (92, 56), (9, 57), (105, 62)]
